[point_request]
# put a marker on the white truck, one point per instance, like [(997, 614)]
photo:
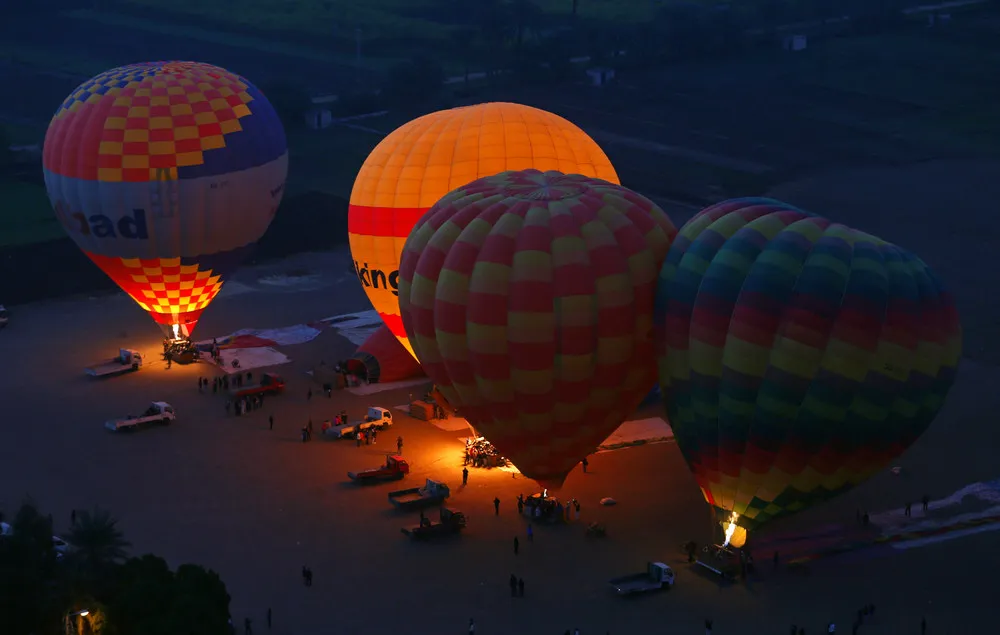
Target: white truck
[(376, 417), (127, 361), (657, 576), (159, 413)]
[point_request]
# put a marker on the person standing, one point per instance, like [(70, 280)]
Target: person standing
[(513, 585), (269, 618), (472, 626), (708, 627), (399, 444), (531, 533), (517, 546), (465, 476), (270, 422), (247, 628), (496, 506), (925, 501), (520, 587), (520, 504), (584, 463)]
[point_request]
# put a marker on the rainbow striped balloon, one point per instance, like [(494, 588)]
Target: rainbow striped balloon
[(528, 299), (799, 356)]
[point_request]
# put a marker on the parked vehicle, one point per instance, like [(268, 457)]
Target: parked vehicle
[(432, 493), (395, 468), (450, 522), (657, 576), (376, 417), (158, 413), (270, 384), (127, 361)]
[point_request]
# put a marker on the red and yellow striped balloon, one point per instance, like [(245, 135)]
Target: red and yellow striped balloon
[(528, 299), (428, 157)]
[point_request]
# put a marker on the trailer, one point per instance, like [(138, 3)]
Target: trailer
[(432, 493), (376, 417), (127, 361)]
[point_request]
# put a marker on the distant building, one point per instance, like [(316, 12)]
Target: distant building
[(794, 42), (319, 118), (601, 75)]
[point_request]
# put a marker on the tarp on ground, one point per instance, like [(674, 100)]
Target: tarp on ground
[(382, 359)]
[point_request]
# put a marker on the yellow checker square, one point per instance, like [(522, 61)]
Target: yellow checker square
[(242, 110), (109, 175), (213, 142), (110, 147), (172, 278), (162, 147), (185, 132), (160, 123), (149, 294), (157, 286), (114, 123), (173, 294), (145, 307), (231, 126), (195, 97), (219, 103), (137, 135), (203, 118), (140, 279), (185, 159), (135, 161)]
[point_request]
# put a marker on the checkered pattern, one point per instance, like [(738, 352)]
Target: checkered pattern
[(528, 299), (154, 118), (172, 291)]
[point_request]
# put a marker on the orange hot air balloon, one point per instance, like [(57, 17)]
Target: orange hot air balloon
[(423, 160), (528, 298)]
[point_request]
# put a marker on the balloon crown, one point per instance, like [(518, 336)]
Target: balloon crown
[(544, 186)]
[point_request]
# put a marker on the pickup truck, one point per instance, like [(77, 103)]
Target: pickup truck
[(376, 417), (127, 361), (158, 413), (451, 522), (395, 468), (657, 576), (432, 493), (270, 384)]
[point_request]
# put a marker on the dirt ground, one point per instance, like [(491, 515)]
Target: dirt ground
[(257, 505)]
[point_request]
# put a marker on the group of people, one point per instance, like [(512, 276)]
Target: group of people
[(481, 453)]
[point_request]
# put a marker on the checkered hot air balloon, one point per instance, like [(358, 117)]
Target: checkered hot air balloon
[(165, 174), (800, 356), (528, 299), (424, 159)]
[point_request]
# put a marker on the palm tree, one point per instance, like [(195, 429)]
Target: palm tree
[(97, 541)]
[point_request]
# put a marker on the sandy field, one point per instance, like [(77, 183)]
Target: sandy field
[(256, 505)]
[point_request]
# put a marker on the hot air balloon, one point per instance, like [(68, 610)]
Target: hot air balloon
[(799, 356), (382, 358), (528, 299), (428, 157), (165, 174)]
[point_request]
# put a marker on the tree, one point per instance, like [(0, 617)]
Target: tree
[(6, 154), (29, 600), (98, 544)]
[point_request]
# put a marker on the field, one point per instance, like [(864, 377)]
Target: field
[(26, 216), (382, 19)]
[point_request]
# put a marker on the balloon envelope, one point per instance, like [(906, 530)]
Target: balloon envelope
[(165, 174), (528, 299), (382, 358), (799, 356), (428, 157)]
